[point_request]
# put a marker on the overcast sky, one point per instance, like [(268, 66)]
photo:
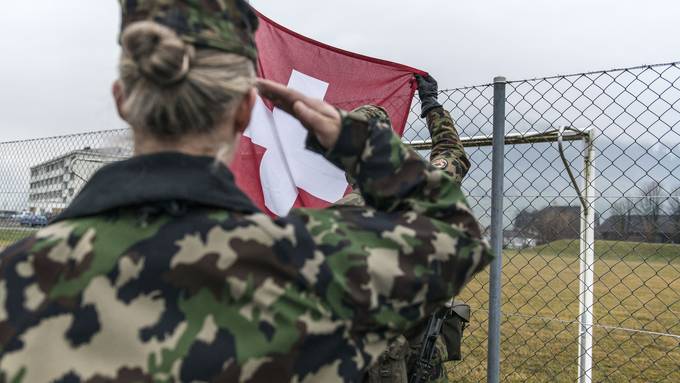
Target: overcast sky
[(59, 57)]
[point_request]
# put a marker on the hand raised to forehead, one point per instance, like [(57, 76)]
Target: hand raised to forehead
[(319, 117)]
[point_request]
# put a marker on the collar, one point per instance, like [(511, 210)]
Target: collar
[(157, 178)]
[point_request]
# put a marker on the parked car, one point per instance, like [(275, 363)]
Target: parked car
[(34, 221), (20, 216), (8, 214)]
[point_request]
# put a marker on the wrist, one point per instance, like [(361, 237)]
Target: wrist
[(328, 136), (351, 140), (427, 105)]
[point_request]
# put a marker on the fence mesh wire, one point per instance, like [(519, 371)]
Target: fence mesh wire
[(636, 113)]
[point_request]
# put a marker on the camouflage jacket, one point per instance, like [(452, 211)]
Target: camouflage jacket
[(163, 270), (447, 153)]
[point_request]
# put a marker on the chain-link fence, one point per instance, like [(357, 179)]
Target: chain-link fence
[(633, 118), (630, 118), (39, 178)]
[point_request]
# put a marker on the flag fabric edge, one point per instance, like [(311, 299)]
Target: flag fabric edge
[(341, 51)]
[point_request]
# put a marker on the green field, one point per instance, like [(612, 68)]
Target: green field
[(9, 236), (614, 250), (637, 287)]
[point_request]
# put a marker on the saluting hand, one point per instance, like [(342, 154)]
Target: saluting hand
[(318, 117)]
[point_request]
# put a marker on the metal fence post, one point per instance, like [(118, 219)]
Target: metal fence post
[(498, 174)]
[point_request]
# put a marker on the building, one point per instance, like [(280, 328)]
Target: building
[(552, 223), (641, 228), (54, 183), (517, 240)]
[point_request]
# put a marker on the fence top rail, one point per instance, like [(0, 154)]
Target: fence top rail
[(589, 73), (531, 137), (649, 66), (65, 136)]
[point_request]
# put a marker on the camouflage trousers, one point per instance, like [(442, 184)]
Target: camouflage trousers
[(440, 357), (402, 354), (394, 365)]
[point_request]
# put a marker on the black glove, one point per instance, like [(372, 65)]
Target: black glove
[(427, 92)]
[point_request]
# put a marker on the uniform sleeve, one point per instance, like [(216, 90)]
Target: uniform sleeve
[(386, 266), (354, 198), (447, 149)]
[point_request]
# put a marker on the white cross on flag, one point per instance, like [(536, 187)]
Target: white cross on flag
[(272, 165)]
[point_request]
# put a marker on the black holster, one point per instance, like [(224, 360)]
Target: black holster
[(452, 331)]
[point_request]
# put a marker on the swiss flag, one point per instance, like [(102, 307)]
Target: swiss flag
[(272, 165)]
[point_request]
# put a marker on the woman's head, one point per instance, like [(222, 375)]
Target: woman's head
[(170, 90)]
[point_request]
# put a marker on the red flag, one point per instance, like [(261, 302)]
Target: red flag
[(272, 166)]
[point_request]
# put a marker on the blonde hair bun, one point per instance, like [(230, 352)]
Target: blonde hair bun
[(172, 88), (161, 56)]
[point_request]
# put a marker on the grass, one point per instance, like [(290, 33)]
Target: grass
[(9, 236), (637, 287), (614, 250)]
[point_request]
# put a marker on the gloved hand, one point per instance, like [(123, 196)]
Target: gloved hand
[(427, 92)]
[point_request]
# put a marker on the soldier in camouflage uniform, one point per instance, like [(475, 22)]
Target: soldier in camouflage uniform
[(448, 155), (447, 152), (162, 270)]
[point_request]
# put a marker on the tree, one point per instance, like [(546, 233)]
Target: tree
[(650, 207), (675, 202), (623, 212), (524, 220), (549, 224), (675, 214)]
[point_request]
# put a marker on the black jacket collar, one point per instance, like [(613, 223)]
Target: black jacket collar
[(158, 178)]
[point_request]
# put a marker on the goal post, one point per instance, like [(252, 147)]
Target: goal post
[(586, 194)]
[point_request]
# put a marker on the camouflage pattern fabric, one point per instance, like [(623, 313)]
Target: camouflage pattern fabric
[(369, 112), (226, 25), (447, 154), (440, 357), (394, 365), (353, 198), (373, 112), (391, 365), (163, 271), (441, 353)]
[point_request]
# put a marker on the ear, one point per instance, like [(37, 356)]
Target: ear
[(119, 97), (244, 111)]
